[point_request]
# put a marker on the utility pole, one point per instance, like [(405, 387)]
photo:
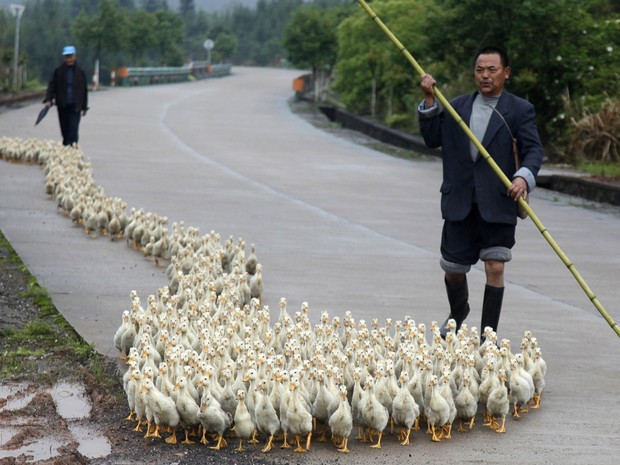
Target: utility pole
[(17, 11), (208, 45)]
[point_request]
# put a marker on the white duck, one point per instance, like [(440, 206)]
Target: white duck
[(256, 283), (252, 391), (358, 394), (465, 402), (446, 392), (227, 399), (187, 407), (320, 406), (213, 420), (267, 421), (521, 386), (538, 376), (280, 402), (415, 384), (341, 422), (244, 426), (298, 418), (121, 342), (489, 381), (384, 392), (497, 403), (132, 388), (162, 409), (405, 410), (163, 382), (436, 409), (373, 414), (251, 262), (115, 227), (143, 413)]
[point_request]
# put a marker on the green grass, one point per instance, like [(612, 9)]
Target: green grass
[(47, 335), (14, 362), (37, 329), (609, 170)]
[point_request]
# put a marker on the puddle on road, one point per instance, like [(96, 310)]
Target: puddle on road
[(71, 401), (43, 448), (8, 390), (14, 396), (6, 433), (92, 443), (72, 404)]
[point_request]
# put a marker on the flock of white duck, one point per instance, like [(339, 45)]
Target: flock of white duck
[(205, 356)]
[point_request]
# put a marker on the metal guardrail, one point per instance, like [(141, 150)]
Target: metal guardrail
[(131, 76)]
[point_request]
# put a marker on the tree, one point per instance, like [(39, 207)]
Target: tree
[(570, 48), (225, 45), (104, 32), (187, 8), (197, 28), (258, 31), (169, 27), (240, 21), (154, 5), (310, 41), (141, 35), (45, 29), (373, 76)]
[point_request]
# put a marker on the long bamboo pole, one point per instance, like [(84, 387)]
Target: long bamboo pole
[(485, 154)]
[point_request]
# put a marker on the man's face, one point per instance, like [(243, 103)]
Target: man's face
[(70, 59), (491, 75)]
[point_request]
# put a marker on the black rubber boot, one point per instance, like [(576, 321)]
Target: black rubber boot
[(491, 308), (458, 297)]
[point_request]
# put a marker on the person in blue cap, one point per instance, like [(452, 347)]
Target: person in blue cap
[(68, 88)]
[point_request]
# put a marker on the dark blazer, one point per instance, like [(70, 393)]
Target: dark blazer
[(57, 88), (463, 177)]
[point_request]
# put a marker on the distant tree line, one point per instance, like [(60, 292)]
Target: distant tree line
[(140, 33)]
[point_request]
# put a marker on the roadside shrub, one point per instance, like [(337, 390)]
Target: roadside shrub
[(402, 121), (596, 135)]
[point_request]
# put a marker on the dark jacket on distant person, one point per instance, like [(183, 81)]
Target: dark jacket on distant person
[(57, 88)]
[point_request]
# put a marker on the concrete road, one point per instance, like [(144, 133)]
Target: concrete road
[(337, 225)]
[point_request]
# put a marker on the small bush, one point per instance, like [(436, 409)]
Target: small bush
[(400, 121), (596, 135)]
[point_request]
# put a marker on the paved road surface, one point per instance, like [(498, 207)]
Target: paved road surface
[(337, 225)]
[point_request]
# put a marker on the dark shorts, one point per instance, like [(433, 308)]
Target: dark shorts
[(465, 242)]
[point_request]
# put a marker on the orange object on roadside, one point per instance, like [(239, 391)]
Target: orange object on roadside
[(298, 85)]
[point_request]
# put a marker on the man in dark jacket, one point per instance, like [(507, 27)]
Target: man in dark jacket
[(479, 212), (69, 88)]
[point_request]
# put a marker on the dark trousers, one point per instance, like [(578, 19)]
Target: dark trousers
[(69, 119)]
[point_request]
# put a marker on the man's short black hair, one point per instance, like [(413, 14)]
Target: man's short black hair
[(493, 49)]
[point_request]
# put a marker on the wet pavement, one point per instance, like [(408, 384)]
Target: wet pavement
[(337, 225)]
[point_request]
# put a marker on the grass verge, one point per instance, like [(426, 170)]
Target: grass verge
[(36, 342), (604, 170)]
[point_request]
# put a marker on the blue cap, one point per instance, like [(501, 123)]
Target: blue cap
[(68, 50)]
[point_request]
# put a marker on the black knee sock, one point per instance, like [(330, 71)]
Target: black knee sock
[(491, 307), (458, 298)]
